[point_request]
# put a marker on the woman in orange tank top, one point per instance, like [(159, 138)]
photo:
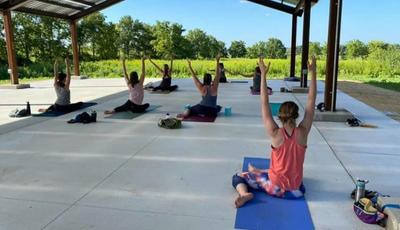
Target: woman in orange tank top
[(284, 177)]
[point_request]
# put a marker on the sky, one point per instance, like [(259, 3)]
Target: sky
[(230, 20)]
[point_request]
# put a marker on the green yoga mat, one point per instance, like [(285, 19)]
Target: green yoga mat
[(128, 115), (275, 108)]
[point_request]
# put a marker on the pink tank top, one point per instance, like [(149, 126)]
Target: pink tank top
[(136, 94), (286, 169)]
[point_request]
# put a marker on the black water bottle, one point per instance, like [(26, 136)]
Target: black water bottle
[(28, 108)]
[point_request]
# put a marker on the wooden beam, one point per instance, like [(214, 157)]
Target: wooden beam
[(75, 53), (12, 60), (96, 8), (293, 48), (299, 6), (306, 42), (43, 13), (83, 2), (52, 2), (332, 58), (277, 6)]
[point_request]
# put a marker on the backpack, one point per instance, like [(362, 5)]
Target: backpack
[(170, 123)]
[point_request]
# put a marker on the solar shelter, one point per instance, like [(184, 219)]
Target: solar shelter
[(73, 10)]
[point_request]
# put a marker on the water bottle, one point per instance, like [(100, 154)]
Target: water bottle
[(360, 189), (28, 108)]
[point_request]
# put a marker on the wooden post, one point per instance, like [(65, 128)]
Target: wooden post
[(12, 60), (332, 58), (293, 49), (306, 41), (75, 53)]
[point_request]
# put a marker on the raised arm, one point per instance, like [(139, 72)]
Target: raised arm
[(171, 66), (269, 122), (195, 78), (312, 94), (55, 72), (125, 72), (217, 73), (143, 75), (157, 67), (68, 73)]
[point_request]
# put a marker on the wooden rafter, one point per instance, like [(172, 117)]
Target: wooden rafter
[(277, 6), (84, 2), (41, 12), (93, 9), (57, 3)]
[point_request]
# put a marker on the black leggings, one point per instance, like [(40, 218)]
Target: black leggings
[(130, 106), (65, 108), (170, 88), (204, 110)]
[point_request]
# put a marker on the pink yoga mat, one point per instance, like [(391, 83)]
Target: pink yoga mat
[(199, 119)]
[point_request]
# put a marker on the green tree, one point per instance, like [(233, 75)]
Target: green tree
[(198, 40), (3, 54), (275, 49), (26, 34), (90, 33), (169, 40), (126, 34), (254, 51), (237, 49), (377, 49), (108, 46), (356, 49), (315, 49)]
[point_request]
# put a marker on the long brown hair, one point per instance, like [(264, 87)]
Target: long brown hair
[(288, 112)]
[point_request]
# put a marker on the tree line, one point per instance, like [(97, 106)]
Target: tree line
[(41, 39)]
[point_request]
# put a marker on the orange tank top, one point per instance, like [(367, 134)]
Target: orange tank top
[(286, 169)]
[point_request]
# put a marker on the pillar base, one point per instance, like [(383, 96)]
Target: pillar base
[(341, 115), (17, 86), (298, 89), (82, 77)]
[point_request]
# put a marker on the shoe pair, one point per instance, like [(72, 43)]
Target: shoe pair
[(353, 122), (84, 118)]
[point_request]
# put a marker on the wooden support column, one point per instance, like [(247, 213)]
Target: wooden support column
[(12, 60), (293, 48), (75, 53), (306, 41), (332, 58)]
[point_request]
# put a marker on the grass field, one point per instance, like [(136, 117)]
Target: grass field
[(384, 75)]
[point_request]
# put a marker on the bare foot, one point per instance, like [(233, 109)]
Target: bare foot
[(109, 112), (251, 168), (241, 200)]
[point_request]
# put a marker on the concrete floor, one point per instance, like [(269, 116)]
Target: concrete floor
[(130, 174)]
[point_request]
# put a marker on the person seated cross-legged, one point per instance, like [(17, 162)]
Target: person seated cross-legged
[(284, 177), (209, 92), (136, 92)]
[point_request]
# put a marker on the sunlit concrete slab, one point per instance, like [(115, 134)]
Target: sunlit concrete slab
[(24, 214), (131, 174), (100, 218)]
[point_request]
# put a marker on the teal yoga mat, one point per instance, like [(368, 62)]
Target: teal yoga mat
[(275, 108)]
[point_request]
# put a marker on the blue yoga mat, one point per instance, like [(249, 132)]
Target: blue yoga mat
[(267, 212), (275, 108), (59, 113)]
